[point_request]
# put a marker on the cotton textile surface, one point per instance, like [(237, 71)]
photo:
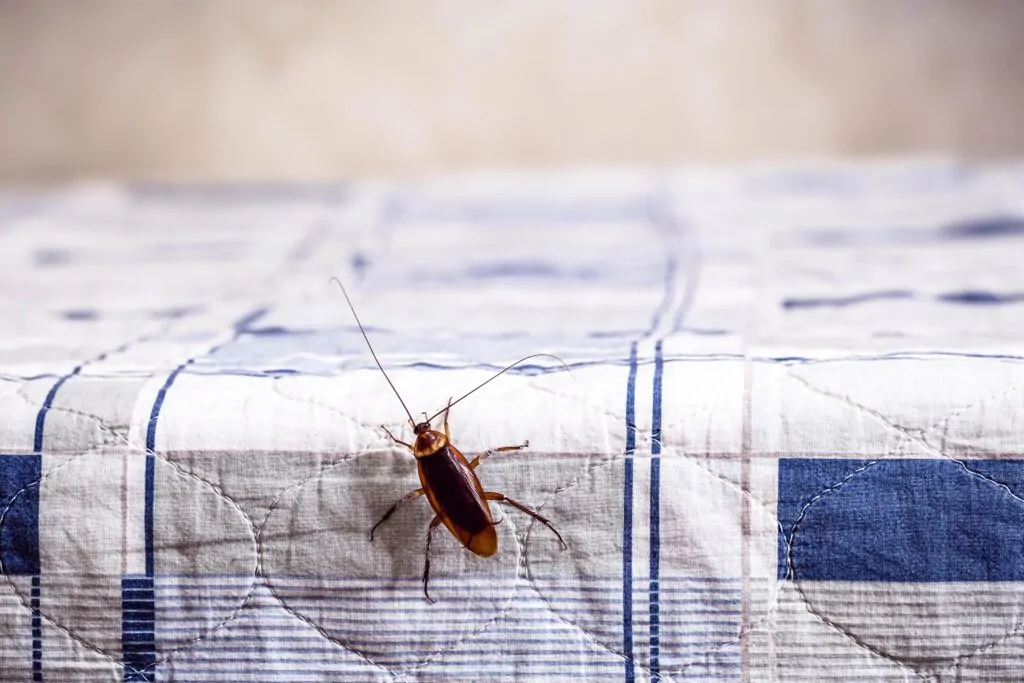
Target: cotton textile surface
[(789, 446)]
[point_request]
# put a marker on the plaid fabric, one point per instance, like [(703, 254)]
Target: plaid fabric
[(788, 449)]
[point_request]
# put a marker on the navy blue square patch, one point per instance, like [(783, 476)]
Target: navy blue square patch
[(19, 528), (902, 520)]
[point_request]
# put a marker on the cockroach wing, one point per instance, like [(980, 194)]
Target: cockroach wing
[(458, 499)]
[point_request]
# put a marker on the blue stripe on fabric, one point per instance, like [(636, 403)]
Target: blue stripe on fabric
[(138, 631), (243, 633), (143, 584), (37, 631), (154, 414), (627, 518), (655, 543), (680, 616), (149, 496), (37, 447), (480, 670), (243, 324), (914, 520), (240, 327), (696, 646), (137, 663), (215, 654), (37, 443), (659, 217), (305, 579)]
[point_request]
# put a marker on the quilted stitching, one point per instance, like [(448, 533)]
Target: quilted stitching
[(731, 473)]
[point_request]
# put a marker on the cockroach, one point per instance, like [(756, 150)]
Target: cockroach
[(447, 479)]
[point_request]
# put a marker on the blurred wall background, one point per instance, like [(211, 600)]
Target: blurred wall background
[(314, 90)]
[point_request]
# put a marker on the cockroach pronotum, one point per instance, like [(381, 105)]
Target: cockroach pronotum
[(448, 480)]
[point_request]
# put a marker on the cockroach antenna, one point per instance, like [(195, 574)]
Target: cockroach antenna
[(372, 352), (497, 375)]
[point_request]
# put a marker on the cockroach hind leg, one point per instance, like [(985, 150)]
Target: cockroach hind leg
[(387, 515), (502, 498), (426, 559), (426, 572)]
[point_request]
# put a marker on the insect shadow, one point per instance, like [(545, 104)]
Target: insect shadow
[(447, 479)]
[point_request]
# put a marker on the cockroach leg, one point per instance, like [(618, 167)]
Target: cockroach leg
[(392, 436), (426, 557), (502, 498), (503, 449), (387, 515)]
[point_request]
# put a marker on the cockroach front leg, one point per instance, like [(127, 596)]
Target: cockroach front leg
[(503, 449), (426, 558), (502, 498), (387, 515), (393, 438)]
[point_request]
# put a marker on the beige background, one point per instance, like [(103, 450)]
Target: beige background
[(263, 89)]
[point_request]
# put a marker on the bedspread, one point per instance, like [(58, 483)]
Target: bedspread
[(783, 443)]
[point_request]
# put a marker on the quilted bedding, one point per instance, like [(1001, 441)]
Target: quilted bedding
[(786, 443)]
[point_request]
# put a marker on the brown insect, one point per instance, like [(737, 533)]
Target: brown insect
[(448, 481)]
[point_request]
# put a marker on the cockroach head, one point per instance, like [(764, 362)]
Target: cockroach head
[(421, 428)]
